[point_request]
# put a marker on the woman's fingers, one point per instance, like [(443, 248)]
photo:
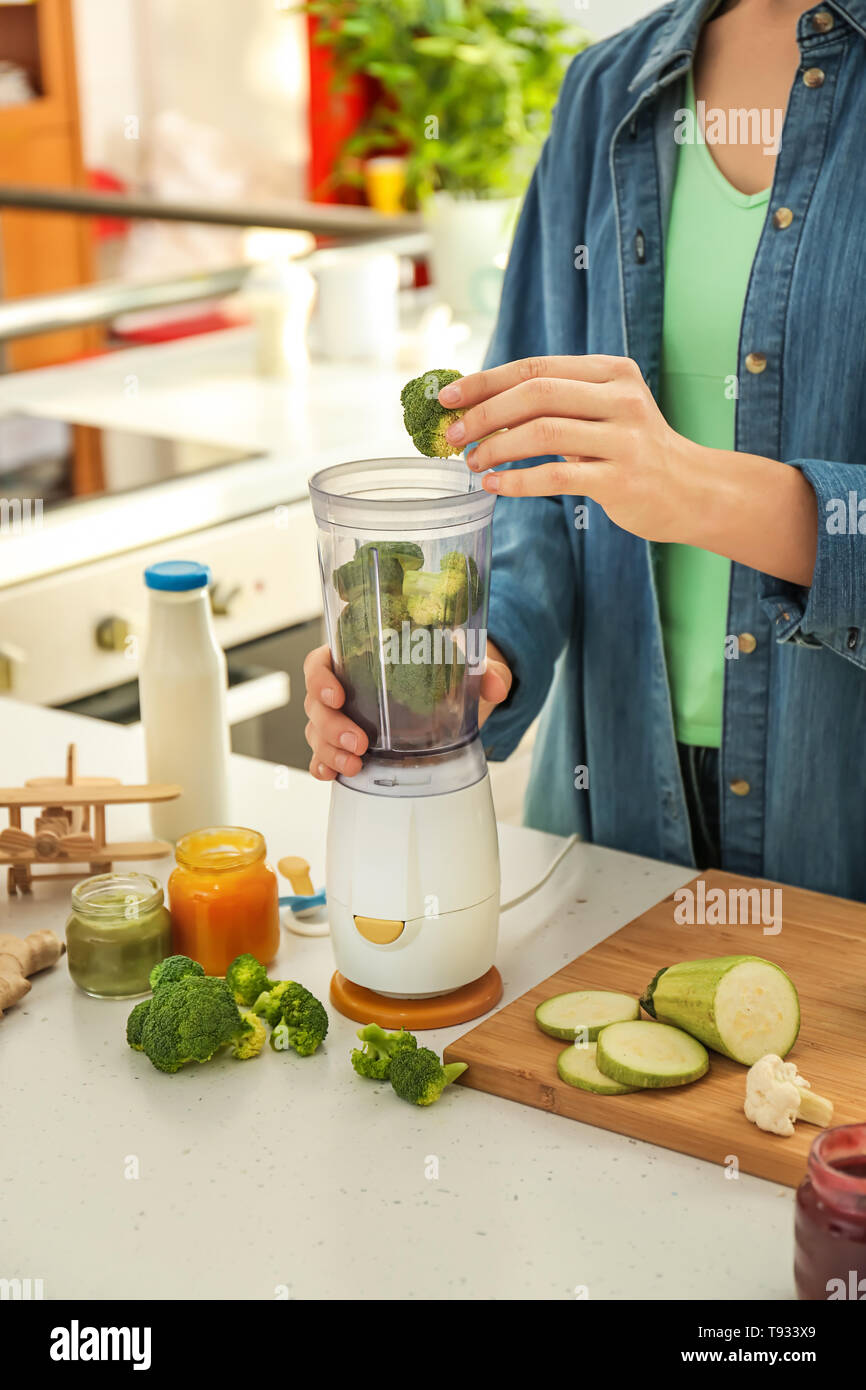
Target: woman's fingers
[(544, 396), (332, 727), (548, 435), (480, 386), (328, 760), (337, 743), (572, 478)]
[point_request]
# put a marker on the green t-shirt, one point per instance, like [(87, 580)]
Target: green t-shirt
[(712, 238)]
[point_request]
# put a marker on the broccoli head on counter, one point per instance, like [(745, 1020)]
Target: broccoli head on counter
[(172, 969), (187, 1020), (419, 1077), (425, 419), (135, 1024), (302, 1023), (192, 1015), (373, 1060)]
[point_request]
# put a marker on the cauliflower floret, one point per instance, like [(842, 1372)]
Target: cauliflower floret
[(776, 1096)]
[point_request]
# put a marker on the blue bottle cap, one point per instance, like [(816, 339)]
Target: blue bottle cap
[(177, 575)]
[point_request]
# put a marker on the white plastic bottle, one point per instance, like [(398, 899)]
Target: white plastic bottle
[(182, 687)]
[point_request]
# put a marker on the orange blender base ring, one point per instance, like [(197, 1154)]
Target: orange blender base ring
[(441, 1011)]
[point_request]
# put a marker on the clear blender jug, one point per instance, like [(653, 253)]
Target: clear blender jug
[(412, 872), (404, 553)]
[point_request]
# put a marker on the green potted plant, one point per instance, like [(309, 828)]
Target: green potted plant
[(463, 90)]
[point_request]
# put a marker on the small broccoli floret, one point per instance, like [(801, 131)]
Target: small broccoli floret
[(368, 573), (250, 1042), (247, 978), (434, 599), (419, 1077), (466, 566), (409, 553), (424, 418), (269, 1004), (302, 1022), (373, 1060), (135, 1024), (172, 969), (189, 1020), (297, 1017)]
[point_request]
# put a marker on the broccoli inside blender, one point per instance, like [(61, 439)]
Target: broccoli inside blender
[(406, 650)]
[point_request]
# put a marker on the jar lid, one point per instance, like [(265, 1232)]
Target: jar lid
[(177, 576)]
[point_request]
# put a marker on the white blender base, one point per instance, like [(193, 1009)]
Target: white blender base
[(431, 862)]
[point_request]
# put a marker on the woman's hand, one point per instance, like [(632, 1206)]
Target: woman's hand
[(338, 745), (600, 415)]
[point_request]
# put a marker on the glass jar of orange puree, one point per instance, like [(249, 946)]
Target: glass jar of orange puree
[(223, 898)]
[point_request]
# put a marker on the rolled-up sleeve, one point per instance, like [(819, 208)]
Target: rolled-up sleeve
[(831, 612)]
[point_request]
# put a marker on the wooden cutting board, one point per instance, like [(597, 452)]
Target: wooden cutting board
[(822, 946)]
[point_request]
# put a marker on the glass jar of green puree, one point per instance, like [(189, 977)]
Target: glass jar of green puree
[(118, 930)]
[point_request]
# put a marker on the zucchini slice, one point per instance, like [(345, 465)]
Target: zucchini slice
[(650, 1055), (564, 1015), (577, 1066)]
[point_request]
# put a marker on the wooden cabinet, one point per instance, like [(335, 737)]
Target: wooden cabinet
[(40, 143)]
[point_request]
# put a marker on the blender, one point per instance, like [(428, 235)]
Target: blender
[(412, 873)]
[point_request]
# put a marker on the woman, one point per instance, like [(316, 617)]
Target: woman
[(678, 369)]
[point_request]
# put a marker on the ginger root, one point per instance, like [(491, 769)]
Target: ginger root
[(23, 956), (33, 952), (13, 985)]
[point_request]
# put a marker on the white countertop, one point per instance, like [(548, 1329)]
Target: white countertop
[(295, 1172)]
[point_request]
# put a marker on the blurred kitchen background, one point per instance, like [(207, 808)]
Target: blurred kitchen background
[(229, 231)]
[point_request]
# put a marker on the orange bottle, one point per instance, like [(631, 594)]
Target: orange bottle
[(223, 898)]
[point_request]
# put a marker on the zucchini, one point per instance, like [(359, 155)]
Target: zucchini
[(646, 1054), (741, 1006), (565, 1015), (577, 1066)]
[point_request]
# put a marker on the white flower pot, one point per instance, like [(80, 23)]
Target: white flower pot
[(470, 239)]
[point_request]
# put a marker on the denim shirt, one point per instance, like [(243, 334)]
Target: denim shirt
[(573, 599)]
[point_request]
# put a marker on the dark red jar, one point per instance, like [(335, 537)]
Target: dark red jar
[(830, 1255)]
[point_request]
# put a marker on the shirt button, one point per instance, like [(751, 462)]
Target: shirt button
[(782, 218), (747, 642), (740, 787), (814, 77), (823, 21), (756, 362)]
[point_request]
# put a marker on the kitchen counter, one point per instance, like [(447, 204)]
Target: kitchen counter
[(290, 1177)]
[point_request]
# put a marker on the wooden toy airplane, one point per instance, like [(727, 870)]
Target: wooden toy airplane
[(63, 833)]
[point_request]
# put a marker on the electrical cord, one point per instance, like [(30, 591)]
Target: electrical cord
[(546, 876)]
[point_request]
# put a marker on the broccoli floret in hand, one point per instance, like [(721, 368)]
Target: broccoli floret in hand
[(172, 969), (247, 978), (424, 418), (419, 1076), (188, 1021), (373, 1060), (250, 1042)]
